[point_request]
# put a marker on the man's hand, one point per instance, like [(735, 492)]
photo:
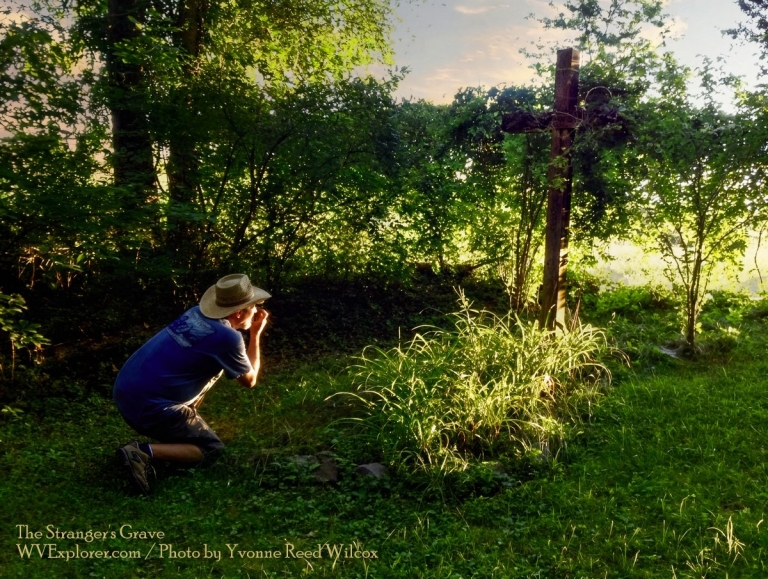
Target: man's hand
[(259, 322)]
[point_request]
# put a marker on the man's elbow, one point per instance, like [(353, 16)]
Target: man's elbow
[(247, 380)]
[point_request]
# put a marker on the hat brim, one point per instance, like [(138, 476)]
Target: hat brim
[(210, 309)]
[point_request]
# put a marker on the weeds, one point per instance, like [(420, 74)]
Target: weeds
[(490, 385)]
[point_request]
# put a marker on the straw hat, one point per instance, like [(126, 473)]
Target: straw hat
[(231, 293)]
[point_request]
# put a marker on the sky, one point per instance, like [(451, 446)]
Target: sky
[(450, 44)]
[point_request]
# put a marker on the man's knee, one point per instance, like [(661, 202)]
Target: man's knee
[(212, 451)]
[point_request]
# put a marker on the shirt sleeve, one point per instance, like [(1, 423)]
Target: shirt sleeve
[(232, 356)]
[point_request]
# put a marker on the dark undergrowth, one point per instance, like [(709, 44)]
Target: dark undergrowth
[(91, 335)]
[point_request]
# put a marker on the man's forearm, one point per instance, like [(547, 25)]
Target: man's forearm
[(254, 352), (254, 347)]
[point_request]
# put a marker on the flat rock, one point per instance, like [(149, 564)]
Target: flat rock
[(672, 353), (322, 466), (373, 469), (304, 460), (327, 472)]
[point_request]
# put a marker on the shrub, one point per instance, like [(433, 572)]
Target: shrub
[(21, 333), (490, 385), (630, 301)]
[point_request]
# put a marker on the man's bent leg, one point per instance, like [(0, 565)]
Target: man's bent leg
[(184, 437), (181, 452)]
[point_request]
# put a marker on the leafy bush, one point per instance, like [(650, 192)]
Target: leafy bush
[(630, 301), (723, 308), (491, 385), (20, 332), (641, 338)]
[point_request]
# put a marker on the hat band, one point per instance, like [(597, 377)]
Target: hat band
[(226, 304)]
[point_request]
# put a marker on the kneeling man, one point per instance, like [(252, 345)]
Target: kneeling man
[(160, 387)]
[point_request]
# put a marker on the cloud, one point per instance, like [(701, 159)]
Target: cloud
[(487, 57), (441, 84), (443, 74), (472, 11), (16, 17), (476, 44), (543, 8), (678, 27)]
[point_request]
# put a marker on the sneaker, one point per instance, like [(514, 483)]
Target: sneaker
[(137, 463)]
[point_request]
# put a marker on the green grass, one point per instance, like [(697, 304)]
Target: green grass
[(494, 387), (668, 479)]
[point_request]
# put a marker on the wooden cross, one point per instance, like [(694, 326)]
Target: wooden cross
[(562, 122)]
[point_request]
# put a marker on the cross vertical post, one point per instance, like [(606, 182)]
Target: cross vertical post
[(559, 176)]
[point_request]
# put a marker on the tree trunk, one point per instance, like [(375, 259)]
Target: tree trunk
[(184, 239), (133, 160), (694, 295)]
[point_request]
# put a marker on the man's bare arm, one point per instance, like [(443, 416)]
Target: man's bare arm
[(248, 380)]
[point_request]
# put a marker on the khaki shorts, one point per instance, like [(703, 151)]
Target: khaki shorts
[(183, 425)]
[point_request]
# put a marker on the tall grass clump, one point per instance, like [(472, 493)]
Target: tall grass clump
[(490, 387)]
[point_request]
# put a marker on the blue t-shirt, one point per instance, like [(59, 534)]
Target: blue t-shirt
[(176, 364)]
